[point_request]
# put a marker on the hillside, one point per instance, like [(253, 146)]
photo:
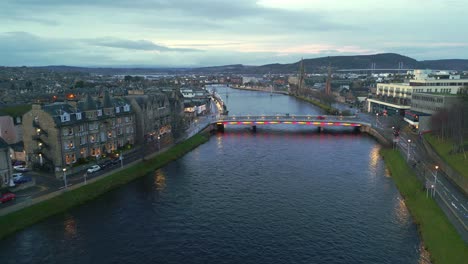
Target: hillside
[(381, 61)]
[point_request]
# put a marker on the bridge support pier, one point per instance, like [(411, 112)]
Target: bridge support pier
[(357, 129), (320, 129), (254, 129), (220, 127)]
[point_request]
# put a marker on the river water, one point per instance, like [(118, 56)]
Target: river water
[(282, 195)]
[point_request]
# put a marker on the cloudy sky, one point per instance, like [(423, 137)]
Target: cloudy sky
[(180, 33)]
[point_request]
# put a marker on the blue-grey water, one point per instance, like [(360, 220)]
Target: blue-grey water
[(281, 195)]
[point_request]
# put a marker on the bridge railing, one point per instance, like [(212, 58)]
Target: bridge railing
[(285, 117)]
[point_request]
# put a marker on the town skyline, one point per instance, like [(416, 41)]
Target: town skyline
[(209, 33)]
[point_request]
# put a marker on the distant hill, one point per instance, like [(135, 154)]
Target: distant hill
[(381, 61), (450, 64)]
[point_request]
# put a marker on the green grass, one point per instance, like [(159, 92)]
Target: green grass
[(443, 148), (439, 236), (22, 218), (17, 110)]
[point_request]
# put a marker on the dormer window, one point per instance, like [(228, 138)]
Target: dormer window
[(65, 117), (99, 112), (117, 109), (78, 116), (126, 108)]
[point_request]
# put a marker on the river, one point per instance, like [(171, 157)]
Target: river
[(285, 194)]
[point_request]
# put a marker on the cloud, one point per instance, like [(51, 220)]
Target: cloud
[(135, 45)]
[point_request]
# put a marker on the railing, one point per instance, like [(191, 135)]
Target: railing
[(292, 119)]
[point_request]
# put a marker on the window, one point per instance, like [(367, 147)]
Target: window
[(126, 119), (78, 116), (81, 128), (83, 152), (119, 120), (65, 117), (82, 140), (70, 158), (92, 138), (120, 131), (126, 108), (99, 112), (69, 145), (117, 109)]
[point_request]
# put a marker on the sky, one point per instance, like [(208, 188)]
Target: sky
[(189, 33)]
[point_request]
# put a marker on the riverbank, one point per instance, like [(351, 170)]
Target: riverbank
[(439, 236), (328, 109), (29, 215), (259, 90)]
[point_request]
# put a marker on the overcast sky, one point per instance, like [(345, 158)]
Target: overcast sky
[(184, 33)]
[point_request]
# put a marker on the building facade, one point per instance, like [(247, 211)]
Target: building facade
[(6, 168), (60, 134), (153, 115), (396, 98)]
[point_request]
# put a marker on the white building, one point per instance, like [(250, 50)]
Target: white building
[(396, 97)]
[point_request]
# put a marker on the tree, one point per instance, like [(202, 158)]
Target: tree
[(79, 84)]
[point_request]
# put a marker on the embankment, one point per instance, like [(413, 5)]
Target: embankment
[(36, 211), (440, 238)]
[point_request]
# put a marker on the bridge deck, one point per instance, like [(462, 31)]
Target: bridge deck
[(291, 119)]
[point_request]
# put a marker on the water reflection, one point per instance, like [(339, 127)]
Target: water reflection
[(69, 226), (219, 141), (159, 180), (401, 212), (374, 157)]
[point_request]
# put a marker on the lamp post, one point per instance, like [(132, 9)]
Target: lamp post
[(435, 180), (121, 160), (159, 144), (65, 177), (408, 153)]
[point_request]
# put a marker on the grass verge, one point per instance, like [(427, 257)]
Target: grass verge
[(29, 215), (439, 236), (443, 148)]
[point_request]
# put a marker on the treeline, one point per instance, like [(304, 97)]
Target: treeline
[(452, 123)]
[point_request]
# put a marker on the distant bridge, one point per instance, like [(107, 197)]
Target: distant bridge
[(319, 121)]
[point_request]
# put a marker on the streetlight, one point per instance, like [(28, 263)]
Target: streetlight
[(65, 177), (435, 180), (159, 145), (409, 146), (121, 160)]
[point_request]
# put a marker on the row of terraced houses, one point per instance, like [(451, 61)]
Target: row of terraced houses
[(64, 134)]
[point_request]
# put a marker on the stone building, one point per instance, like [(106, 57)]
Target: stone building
[(153, 115), (5, 164), (63, 133)]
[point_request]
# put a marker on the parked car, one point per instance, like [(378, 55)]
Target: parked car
[(22, 179), (7, 197), (115, 160), (16, 176), (106, 164), (93, 168), (20, 168)]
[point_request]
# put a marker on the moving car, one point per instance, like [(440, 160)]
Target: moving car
[(320, 117), (20, 168), (93, 168), (7, 197)]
